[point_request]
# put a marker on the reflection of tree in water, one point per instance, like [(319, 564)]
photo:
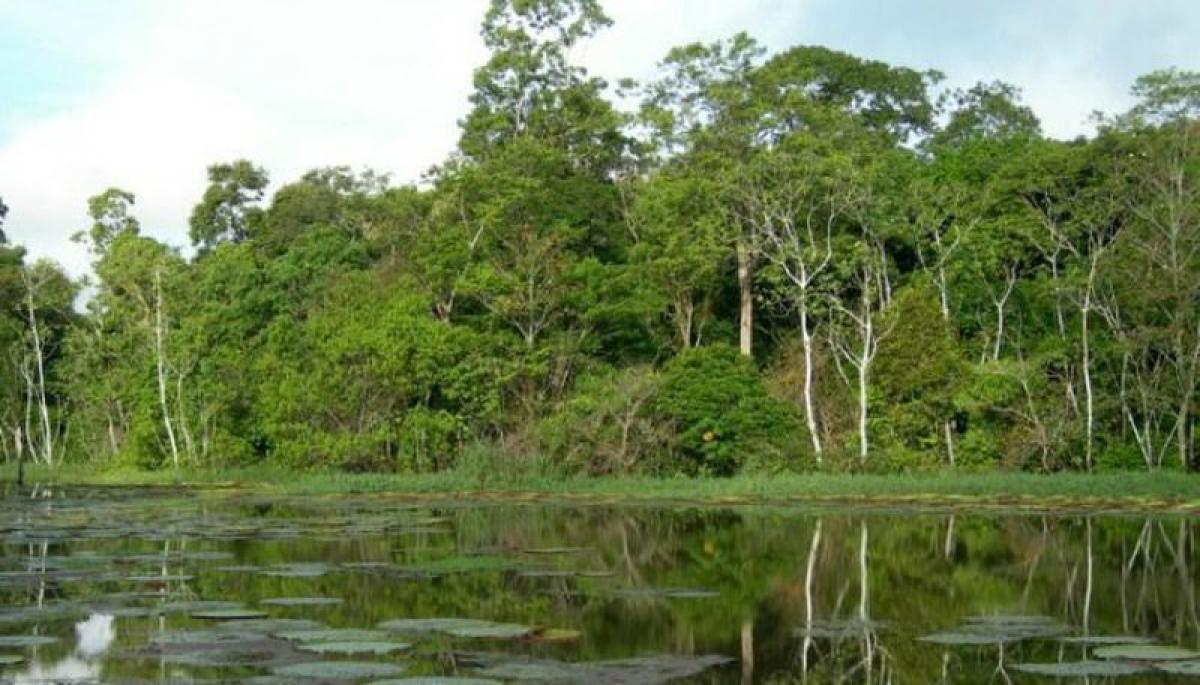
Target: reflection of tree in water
[(1094, 575), (843, 645), (801, 598)]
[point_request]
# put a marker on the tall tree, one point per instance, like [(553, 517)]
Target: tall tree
[(692, 113), (529, 87), (228, 210), (1161, 167)]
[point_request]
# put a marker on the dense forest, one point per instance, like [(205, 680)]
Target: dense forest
[(756, 260)]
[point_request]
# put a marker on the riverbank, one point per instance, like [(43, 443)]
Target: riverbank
[(1164, 491)]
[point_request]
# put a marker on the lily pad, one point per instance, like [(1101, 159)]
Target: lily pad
[(26, 640), (1081, 669), (491, 631), (1106, 640), (301, 601), (378, 648), (540, 670), (228, 614), (836, 629), (121, 612), (239, 569), (49, 612), (190, 637), (650, 670), (431, 625), (188, 607), (207, 648), (334, 635), (269, 625), (963, 639), (1146, 653), (547, 573), (160, 579), (436, 680), (1012, 628), (311, 570), (1180, 667), (339, 670)]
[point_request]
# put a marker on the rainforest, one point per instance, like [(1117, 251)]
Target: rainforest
[(758, 262)]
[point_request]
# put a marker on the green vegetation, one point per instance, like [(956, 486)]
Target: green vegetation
[(1163, 490), (779, 263)]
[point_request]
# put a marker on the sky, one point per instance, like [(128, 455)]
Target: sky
[(145, 94)]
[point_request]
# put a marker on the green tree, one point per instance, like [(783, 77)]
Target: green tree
[(228, 210)]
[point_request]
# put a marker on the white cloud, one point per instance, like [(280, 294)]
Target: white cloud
[(290, 86), (173, 86)]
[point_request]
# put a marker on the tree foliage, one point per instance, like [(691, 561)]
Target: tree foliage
[(802, 259)]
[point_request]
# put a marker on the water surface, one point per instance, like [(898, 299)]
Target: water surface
[(111, 586)]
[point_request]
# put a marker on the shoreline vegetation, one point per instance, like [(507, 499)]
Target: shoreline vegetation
[(1118, 491), (798, 261)]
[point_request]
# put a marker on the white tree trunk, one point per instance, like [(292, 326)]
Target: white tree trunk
[(745, 274), (40, 366), (863, 370), (809, 579), (1001, 304), (160, 334), (949, 440), (1088, 399), (810, 412)]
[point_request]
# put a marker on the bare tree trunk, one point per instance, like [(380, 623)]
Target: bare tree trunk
[(40, 365), (112, 431), (1089, 400), (863, 370), (948, 543), (1001, 304), (1085, 312), (949, 430), (27, 376), (181, 417), (748, 650), (864, 593), (745, 273), (864, 601), (685, 316), (809, 578), (1182, 435), (862, 358), (1087, 592), (161, 366), (810, 412)]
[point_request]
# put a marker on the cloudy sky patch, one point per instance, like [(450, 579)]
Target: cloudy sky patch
[(144, 94)]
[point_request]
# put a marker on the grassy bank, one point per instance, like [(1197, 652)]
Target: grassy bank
[(1124, 490)]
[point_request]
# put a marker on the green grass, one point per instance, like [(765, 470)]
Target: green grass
[(1117, 490)]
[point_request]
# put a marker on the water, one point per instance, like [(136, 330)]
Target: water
[(786, 595)]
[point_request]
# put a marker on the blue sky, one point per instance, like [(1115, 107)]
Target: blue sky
[(144, 94)]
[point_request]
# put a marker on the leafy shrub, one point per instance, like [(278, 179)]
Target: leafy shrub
[(1121, 456), (606, 426), (721, 413), (919, 370), (428, 440)]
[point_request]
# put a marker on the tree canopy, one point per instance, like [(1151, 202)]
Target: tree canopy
[(793, 260)]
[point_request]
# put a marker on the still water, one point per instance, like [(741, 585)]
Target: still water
[(158, 586)]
